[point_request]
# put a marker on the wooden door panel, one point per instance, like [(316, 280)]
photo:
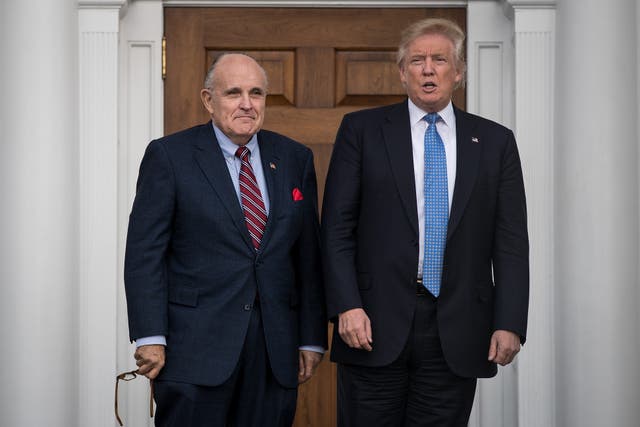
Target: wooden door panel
[(367, 78), (315, 77), (247, 28), (196, 35), (321, 64)]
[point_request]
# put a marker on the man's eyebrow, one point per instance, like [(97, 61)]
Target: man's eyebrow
[(231, 90), (234, 90)]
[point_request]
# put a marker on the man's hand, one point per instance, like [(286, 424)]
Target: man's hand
[(309, 361), (504, 347), (150, 360), (354, 328)]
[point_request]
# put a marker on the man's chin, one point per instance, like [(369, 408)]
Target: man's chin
[(246, 129), (242, 135)]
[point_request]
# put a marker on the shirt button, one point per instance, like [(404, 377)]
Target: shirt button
[(247, 307)]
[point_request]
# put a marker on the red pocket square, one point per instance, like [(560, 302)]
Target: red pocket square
[(297, 195)]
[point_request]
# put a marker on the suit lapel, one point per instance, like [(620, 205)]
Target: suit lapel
[(211, 160), (469, 148), (397, 138), (273, 172)]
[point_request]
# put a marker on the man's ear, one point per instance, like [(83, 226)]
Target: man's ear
[(205, 96)]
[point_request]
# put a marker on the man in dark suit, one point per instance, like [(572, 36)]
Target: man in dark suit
[(222, 272), (425, 246)]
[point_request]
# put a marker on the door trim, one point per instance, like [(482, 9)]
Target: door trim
[(315, 3), (490, 48)]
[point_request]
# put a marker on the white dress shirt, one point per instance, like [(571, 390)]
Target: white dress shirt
[(446, 128)]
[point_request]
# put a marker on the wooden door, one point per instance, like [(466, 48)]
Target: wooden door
[(321, 64)]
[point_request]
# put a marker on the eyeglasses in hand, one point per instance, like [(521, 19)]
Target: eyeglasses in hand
[(128, 376)]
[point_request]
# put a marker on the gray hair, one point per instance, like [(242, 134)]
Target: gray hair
[(210, 77), (444, 27)]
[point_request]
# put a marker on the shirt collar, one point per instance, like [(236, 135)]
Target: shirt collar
[(416, 114), (228, 147)]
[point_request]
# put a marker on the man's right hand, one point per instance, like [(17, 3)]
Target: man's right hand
[(150, 360), (354, 328)]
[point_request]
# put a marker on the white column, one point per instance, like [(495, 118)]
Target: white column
[(38, 222), (534, 28), (98, 214), (597, 214)]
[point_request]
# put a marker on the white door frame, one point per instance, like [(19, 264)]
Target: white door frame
[(511, 48)]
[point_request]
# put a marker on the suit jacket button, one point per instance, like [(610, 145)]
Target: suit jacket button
[(247, 307)]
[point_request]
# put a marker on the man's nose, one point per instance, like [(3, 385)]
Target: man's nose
[(427, 67), (245, 102)]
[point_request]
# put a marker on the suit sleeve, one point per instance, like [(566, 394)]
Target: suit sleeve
[(511, 247), (340, 212), (148, 237), (313, 319)]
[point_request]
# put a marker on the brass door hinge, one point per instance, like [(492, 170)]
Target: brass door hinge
[(164, 57)]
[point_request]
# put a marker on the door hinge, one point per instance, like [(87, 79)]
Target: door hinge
[(164, 57)]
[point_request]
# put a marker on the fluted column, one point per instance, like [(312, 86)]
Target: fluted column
[(38, 219), (597, 214), (534, 29), (99, 23)]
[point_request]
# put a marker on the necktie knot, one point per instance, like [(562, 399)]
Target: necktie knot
[(431, 118), (243, 153)]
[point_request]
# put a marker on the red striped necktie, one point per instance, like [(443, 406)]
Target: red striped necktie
[(255, 214)]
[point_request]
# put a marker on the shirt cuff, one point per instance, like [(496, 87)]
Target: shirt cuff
[(154, 340), (315, 348)]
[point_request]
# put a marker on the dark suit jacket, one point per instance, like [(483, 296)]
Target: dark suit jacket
[(370, 238), (191, 272)]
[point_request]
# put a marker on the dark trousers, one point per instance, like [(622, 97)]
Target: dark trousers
[(418, 389), (251, 397)]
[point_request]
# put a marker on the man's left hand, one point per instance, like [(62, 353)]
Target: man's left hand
[(504, 347), (150, 360), (309, 360)]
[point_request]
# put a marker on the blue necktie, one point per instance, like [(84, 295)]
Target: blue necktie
[(436, 206)]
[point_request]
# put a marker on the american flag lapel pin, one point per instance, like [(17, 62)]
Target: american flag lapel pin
[(272, 165), (474, 139)]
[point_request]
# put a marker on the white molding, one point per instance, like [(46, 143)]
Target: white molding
[(490, 79), (535, 103), (491, 46), (102, 4), (316, 3), (98, 169), (532, 4), (490, 82), (140, 120)]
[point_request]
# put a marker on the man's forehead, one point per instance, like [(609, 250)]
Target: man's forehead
[(227, 80), (434, 41), (239, 82), (240, 75), (420, 49)]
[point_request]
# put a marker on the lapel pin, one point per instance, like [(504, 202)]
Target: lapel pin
[(272, 165), (474, 139)]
